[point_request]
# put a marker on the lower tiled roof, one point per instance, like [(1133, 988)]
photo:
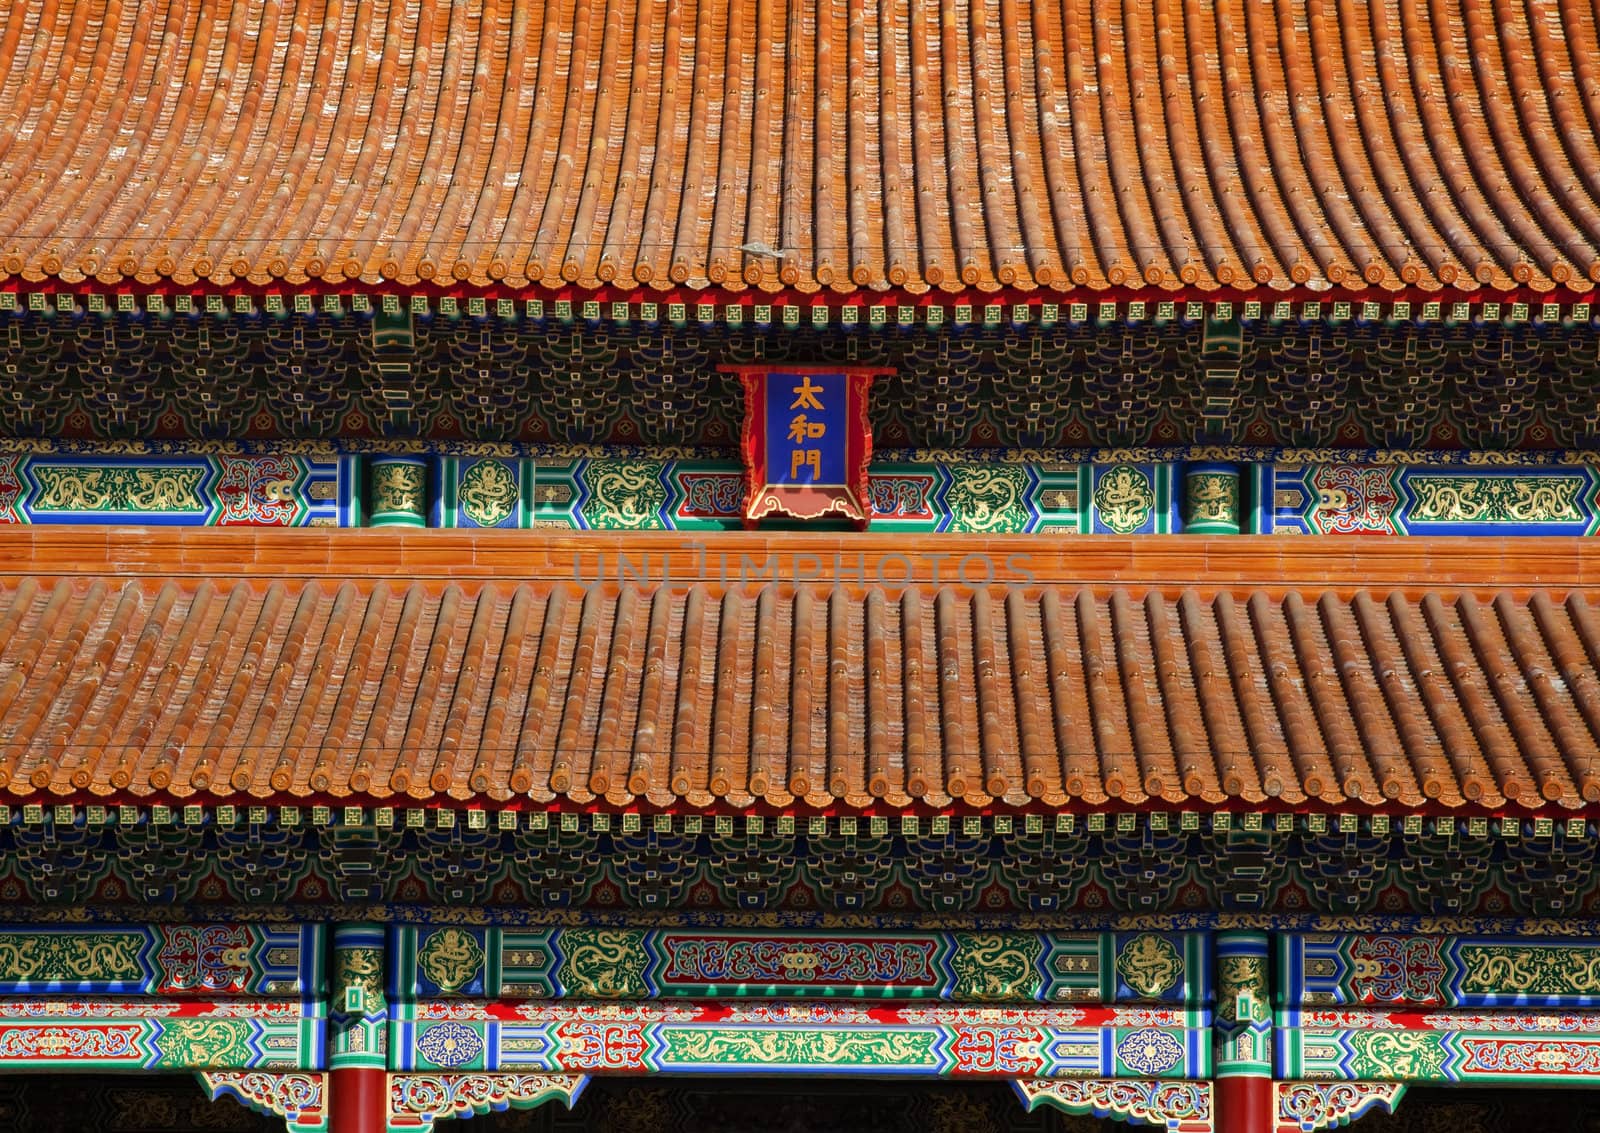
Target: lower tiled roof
[(962, 145), (214, 672)]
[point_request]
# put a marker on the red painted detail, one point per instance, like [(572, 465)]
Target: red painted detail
[(1243, 1105), (358, 1100)]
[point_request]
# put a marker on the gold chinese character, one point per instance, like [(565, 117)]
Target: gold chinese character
[(806, 396), (805, 458), (800, 429)]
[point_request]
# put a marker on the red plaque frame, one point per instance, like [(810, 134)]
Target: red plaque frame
[(767, 495)]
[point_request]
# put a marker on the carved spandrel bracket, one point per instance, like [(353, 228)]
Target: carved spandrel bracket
[(1176, 1106)]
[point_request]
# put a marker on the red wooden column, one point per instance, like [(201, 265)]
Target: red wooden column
[(358, 1067), (1244, 1088)]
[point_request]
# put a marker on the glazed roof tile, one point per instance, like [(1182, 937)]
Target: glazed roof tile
[(1064, 145), (376, 669)]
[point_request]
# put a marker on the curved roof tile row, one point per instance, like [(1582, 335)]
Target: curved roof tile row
[(817, 696), (813, 144)]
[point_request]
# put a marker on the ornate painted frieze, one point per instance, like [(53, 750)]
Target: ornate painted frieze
[(946, 495), (1429, 971), (1378, 1046), (1357, 499), (1107, 491), (746, 1036), (178, 959), (301, 1099), (1177, 1107), (1303, 1107), (147, 1034), (992, 967), (416, 1101), (178, 490)]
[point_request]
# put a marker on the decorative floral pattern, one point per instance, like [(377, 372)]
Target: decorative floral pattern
[(1353, 498), (1395, 969), (449, 1044), (214, 958), (1149, 1051)]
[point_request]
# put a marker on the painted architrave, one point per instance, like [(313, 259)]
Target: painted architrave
[(1418, 970), (755, 1037), (1393, 499), (991, 967), (196, 960), (933, 493), (1503, 1047), (239, 490), (157, 1034), (806, 441)]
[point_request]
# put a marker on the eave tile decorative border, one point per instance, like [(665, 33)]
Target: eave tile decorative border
[(923, 313)]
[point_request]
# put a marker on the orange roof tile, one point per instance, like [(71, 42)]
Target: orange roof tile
[(354, 682), (890, 143)]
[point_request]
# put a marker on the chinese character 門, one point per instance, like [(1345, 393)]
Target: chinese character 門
[(805, 458)]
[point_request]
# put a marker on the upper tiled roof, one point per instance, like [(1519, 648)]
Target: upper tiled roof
[(363, 667), (881, 143)]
